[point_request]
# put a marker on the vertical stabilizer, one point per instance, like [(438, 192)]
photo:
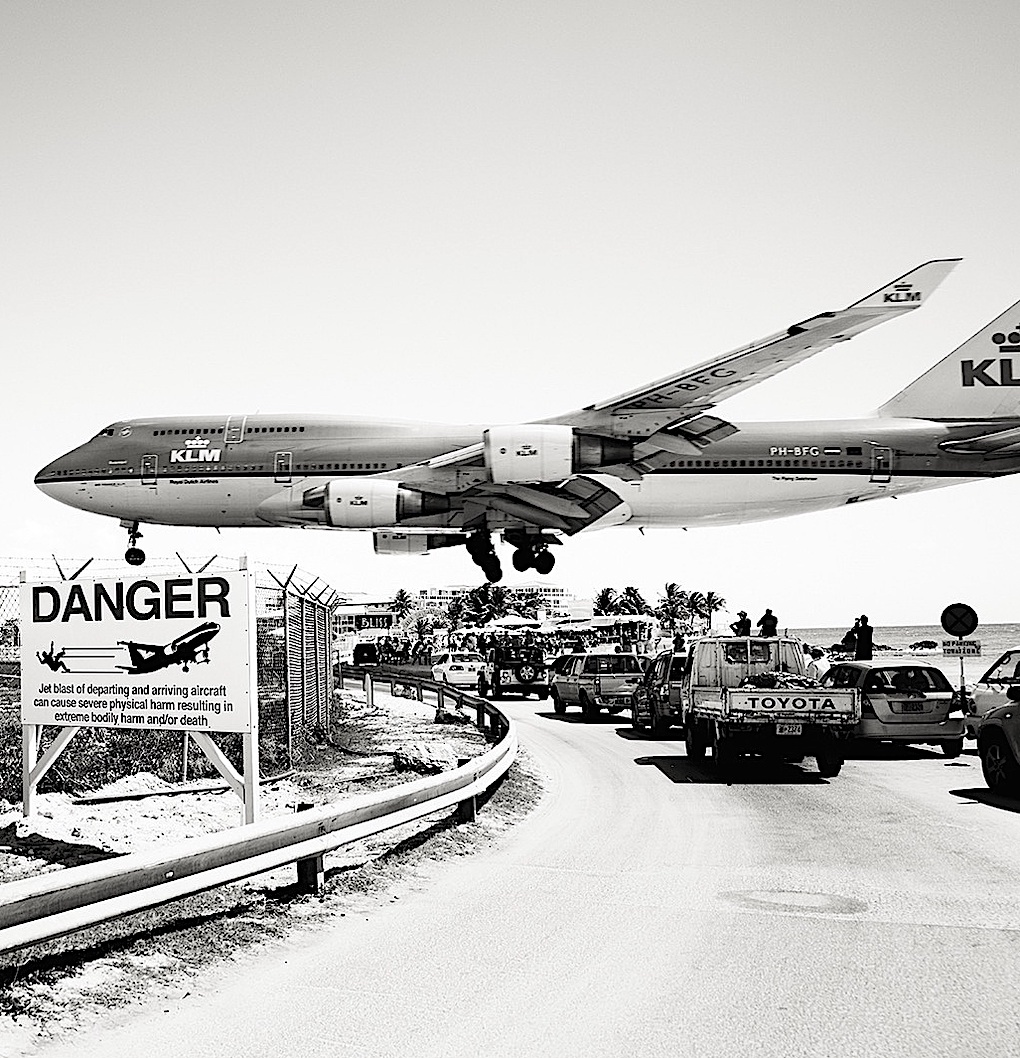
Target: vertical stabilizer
[(979, 380)]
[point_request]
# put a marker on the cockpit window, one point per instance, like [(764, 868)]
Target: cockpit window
[(107, 432)]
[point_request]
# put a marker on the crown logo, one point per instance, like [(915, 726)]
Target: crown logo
[(196, 442), (1013, 338)]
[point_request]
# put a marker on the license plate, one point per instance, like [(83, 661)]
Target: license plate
[(789, 729), (912, 707)]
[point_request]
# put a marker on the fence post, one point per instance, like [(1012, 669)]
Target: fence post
[(467, 808), (369, 692)]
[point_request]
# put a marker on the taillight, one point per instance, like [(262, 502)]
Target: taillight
[(867, 709), (598, 684)]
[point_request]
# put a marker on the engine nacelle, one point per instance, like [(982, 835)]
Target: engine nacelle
[(358, 503), (537, 452), (529, 452)]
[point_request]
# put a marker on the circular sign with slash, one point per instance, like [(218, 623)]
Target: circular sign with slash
[(959, 619)]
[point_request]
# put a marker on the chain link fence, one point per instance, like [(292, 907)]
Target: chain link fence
[(294, 631)]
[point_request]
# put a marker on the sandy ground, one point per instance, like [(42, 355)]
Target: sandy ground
[(51, 990)]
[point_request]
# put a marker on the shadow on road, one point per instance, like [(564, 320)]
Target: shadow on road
[(577, 718), (984, 796), (748, 771)]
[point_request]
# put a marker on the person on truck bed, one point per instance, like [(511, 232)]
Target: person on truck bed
[(742, 625), (768, 624)]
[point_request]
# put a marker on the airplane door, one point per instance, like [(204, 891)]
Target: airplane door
[(150, 469), (233, 432), (881, 465), (282, 467)]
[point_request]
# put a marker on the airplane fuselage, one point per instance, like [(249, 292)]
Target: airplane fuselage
[(223, 471)]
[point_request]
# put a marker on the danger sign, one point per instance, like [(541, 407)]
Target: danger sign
[(171, 652)]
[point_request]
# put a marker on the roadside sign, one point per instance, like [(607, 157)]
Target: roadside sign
[(959, 619), (964, 648), (166, 652)]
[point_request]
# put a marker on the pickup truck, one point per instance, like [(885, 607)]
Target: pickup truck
[(743, 695), (595, 682)]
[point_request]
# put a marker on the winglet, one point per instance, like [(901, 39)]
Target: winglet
[(911, 290)]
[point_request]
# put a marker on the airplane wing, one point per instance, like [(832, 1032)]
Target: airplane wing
[(662, 417), (699, 388)]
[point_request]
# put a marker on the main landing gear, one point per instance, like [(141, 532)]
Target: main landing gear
[(134, 556), (479, 546), (532, 552)]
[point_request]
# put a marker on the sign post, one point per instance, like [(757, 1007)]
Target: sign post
[(960, 620), (172, 653)]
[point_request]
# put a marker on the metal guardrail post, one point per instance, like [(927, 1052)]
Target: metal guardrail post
[(466, 809), (369, 691), (311, 872)]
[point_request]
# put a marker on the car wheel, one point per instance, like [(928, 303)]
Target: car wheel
[(483, 687), (694, 741), (559, 707), (998, 764), (724, 756), (952, 747), (829, 760), (588, 708)]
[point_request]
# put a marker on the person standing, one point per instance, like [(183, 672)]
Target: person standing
[(768, 624), (742, 625), (864, 640), (816, 667)]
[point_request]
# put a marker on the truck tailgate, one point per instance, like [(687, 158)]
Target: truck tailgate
[(818, 705)]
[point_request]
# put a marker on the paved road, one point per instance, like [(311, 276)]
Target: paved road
[(648, 909)]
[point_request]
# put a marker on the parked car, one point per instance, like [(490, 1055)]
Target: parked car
[(596, 681), (901, 701), (1000, 685), (457, 668), (998, 739), (513, 669)]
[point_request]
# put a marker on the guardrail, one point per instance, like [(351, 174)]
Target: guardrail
[(61, 902)]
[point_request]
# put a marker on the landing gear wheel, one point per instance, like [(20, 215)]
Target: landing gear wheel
[(544, 561), (521, 559), (492, 569), (134, 556)]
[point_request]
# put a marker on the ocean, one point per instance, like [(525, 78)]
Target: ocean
[(994, 639)]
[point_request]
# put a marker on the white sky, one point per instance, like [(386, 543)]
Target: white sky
[(490, 212)]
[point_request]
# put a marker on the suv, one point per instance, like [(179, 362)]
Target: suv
[(513, 669), (596, 681), (901, 701), (657, 701), (1000, 685)]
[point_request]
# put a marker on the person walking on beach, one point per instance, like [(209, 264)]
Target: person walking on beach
[(768, 624), (864, 640), (742, 625)]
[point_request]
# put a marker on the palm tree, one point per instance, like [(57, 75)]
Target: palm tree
[(712, 603), (672, 607), (606, 602), (402, 603), (695, 606), (633, 602)]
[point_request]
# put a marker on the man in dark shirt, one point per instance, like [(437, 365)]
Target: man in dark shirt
[(768, 624), (864, 631)]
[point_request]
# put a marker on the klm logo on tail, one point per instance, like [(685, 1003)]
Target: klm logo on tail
[(902, 292), (984, 372)]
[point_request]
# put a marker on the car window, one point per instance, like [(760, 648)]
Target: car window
[(1006, 668), (840, 676), (463, 657)]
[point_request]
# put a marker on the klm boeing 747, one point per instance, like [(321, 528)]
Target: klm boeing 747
[(655, 456)]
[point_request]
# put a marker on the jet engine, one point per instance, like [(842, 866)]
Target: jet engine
[(350, 503), (536, 452)]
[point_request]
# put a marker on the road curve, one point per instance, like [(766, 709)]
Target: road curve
[(645, 908)]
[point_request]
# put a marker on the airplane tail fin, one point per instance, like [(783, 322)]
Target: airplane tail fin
[(979, 380)]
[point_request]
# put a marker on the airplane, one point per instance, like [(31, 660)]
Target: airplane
[(192, 648), (654, 456)]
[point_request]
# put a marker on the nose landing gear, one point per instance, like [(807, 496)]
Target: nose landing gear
[(134, 556)]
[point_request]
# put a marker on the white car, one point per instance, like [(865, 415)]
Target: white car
[(460, 669)]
